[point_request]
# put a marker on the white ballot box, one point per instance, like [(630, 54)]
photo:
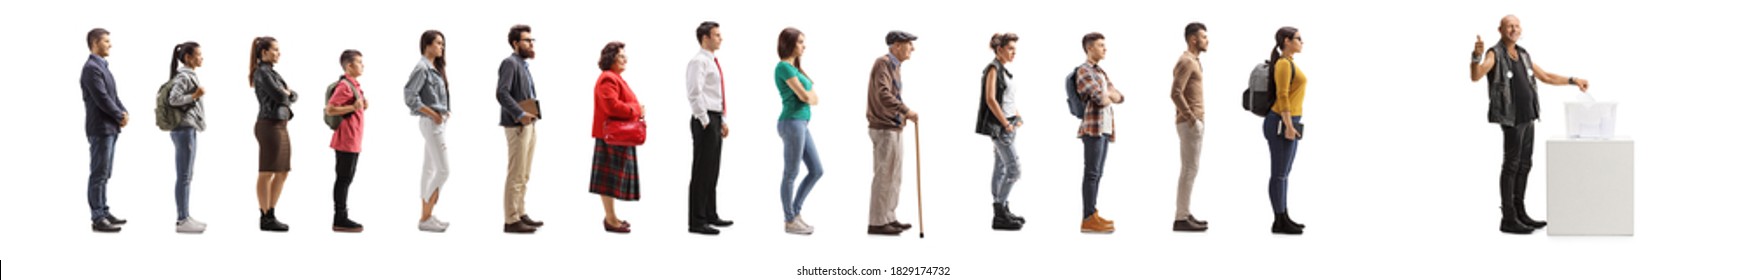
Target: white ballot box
[(1590, 186)]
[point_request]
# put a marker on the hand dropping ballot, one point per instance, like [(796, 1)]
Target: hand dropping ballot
[(1586, 118)]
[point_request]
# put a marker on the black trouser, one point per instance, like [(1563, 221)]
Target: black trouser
[(345, 168), (705, 169), (1517, 163)]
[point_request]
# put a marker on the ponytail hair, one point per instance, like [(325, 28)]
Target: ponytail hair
[(441, 61), (1278, 39), (261, 44), (180, 55)]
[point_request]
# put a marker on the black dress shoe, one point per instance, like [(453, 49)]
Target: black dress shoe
[(116, 221), (103, 225), (721, 223), (705, 230), (529, 221), (886, 229), (519, 227), (1189, 226), (900, 225), (1205, 223)]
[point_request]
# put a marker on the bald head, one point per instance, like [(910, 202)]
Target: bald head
[(1510, 29)]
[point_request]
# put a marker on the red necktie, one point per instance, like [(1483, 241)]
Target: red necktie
[(723, 86)]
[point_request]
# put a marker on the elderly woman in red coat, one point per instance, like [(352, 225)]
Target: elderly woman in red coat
[(615, 176)]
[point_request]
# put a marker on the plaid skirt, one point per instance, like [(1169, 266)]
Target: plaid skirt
[(615, 172)]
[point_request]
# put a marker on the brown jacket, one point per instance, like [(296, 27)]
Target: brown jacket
[(884, 95)]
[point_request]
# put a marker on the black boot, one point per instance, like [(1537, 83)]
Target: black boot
[(1521, 210), (342, 222), (1007, 207), (1281, 224), (1003, 221), (270, 222), (1288, 219), (1512, 224)]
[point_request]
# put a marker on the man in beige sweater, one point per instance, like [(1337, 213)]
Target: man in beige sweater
[(1190, 123)]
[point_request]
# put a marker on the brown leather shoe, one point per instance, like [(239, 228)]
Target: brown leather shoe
[(518, 227), (886, 229), (1092, 225), (901, 225), (529, 221)]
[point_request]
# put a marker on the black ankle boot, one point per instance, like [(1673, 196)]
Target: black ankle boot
[(1007, 207), (1281, 224), (266, 221), (270, 221), (1004, 221), (1512, 224), (342, 222), (1288, 219)]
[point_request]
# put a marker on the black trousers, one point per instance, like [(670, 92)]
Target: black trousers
[(1517, 163), (345, 168), (705, 169)]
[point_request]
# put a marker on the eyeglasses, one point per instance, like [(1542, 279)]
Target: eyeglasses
[(528, 40), (1298, 38)]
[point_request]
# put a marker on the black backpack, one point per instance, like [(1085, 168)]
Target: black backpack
[(1261, 92), (1074, 103)]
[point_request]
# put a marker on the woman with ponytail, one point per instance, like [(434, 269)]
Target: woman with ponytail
[(1282, 126), (185, 95), (427, 96), (269, 129)]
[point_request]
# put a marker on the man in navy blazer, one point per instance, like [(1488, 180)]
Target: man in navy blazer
[(104, 118)]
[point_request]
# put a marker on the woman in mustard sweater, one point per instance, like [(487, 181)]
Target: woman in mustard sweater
[(1282, 133)]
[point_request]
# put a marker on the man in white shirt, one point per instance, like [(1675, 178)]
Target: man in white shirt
[(703, 86)]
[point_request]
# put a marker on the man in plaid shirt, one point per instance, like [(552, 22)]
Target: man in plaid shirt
[(1097, 129)]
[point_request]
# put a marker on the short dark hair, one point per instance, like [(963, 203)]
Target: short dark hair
[(1090, 38), (704, 29), (1194, 28), (898, 36), (349, 56), (91, 37), (609, 55), (1001, 40), (515, 32)]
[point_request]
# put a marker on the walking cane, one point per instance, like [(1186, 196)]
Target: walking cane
[(920, 218)]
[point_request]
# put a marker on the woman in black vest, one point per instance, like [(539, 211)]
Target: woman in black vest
[(998, 118)]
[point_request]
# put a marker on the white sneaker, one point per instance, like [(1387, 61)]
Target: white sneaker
[(439, 221), (432, 225), (802, 222), (795, 227), (190, 226)]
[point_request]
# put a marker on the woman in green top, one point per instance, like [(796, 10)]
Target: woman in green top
[(797, 101)]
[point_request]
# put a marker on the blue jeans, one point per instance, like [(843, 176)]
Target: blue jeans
[(797, 147), (1284, 155), (102, 163), (1005, 165), (184, 139), (1096, 153)]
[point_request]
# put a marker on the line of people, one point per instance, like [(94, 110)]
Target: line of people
[(618, 128)]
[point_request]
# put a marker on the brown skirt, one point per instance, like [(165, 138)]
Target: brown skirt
[(275, 145)]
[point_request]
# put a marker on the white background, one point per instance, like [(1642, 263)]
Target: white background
[(1397, 176)]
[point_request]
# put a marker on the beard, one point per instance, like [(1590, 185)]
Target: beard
[(525, 53)]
